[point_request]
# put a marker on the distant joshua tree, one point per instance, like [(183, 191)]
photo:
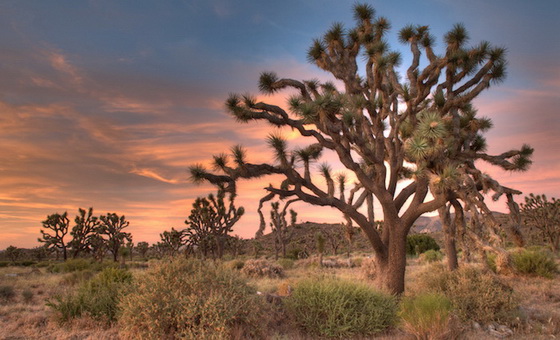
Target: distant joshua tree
[(112, 226), (86, 225), (142, 248), (412, 141), (173, 240), (54, 239), (544, 215), (210, 222), (281, 230), (13, 253)]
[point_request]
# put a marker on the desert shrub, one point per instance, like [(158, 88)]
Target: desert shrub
[(7, 293), (141, 264), (42, 264), (262, 268), (357, 261), (73, 278), (74, 265), (286, 263), (4, 264), (475, 295), (427, 316), (369, 268), (284, 289), (296, 253), (237, 264), (331, 307), (431, 256), (69, 266), (27, 295), (25, 263), (490, 259), (97, 297), (419, 243), (536, 262), (185, 299)]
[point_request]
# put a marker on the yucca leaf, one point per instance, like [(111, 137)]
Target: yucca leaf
[(325, 170), (382, 25), (335, 33), (457, 36), (220, 161), (316, 51), (406, 33), (363, 12), (197, 171), (479, 144), (278, 144), (417, 147), (239, 154), (266, 82)]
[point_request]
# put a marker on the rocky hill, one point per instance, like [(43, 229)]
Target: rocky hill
[(304, 239)]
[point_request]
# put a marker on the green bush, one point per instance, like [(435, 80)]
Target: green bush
[(491, 261), (475, 295), (336, 308), (237, 264), (431, 256), (73, 278), (74, 265), (4, 264), (286, 263), (6, 294), (185, 299), (27, 295), (97, 297), (427, 316), (293, 253), (419, 243), (536, 262)]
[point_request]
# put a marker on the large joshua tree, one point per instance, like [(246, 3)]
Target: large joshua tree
[(409, 141)]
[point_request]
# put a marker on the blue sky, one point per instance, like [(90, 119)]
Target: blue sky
[(106, 103)]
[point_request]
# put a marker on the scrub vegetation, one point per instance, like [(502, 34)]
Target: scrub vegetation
[(410, 143)]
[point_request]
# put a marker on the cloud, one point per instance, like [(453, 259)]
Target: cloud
[(152, 174), (59, 62)]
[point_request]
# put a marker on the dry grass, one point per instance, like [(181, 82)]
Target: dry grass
[(539, 299)]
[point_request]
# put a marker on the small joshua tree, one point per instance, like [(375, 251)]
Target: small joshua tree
[(84, 228), (13, 253), (281, 230), (173, 240), (142, 248), (54, 239), (320, 240), (210, 222), (544, 215), (112, 226)]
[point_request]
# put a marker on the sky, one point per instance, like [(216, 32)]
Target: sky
[(105, 103)]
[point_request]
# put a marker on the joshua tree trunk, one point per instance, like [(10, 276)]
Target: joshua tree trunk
[(449, 230), (64, 253), (391, 268)]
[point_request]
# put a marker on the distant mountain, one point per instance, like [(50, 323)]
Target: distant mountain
[(432, 224), (304, 235)]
